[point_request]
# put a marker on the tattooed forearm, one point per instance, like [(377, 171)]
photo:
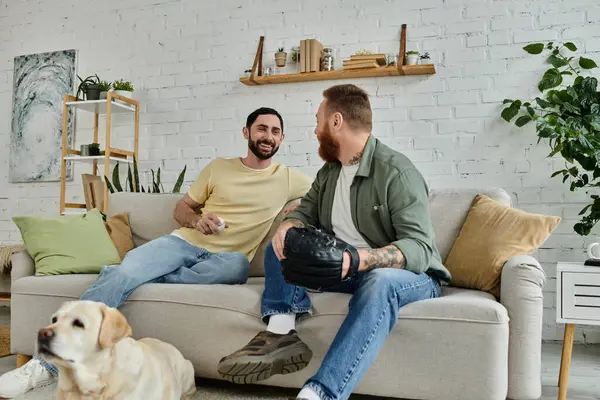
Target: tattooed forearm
[(385, 257)]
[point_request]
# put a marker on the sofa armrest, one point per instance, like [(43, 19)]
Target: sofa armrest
[(22, 265), (521, 294)]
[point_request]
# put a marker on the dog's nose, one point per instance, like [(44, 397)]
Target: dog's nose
[(45, 334)]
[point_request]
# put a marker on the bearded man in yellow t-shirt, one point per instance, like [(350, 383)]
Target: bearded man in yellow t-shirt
[(224, 217)]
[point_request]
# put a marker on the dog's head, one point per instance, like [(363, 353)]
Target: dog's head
[(80, 329)]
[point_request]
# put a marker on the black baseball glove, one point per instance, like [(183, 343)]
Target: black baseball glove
[(313, 259)]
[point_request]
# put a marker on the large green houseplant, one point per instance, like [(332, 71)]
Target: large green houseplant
[(567, 114)]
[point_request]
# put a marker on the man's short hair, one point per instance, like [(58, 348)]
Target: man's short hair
[(352, 102), (262, 111)]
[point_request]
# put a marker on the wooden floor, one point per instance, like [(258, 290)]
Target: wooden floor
[(584, 377)]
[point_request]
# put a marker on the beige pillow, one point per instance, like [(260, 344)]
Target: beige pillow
[(490, 235)]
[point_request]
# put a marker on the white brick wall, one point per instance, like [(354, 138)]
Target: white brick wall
[(185, 59)]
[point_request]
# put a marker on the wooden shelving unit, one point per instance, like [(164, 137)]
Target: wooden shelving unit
[(114, 103), (256, 77)]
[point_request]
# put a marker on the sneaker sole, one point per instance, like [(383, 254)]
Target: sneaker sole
[(252, 369)]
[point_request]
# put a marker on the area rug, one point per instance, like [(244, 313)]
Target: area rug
[(4, 341)]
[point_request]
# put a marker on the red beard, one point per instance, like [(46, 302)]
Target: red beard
[(329, 147)]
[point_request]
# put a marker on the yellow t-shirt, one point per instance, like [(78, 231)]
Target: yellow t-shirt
[(247, 199)]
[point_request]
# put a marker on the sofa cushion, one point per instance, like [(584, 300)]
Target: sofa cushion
[(455, 304), (120, 233), (492, 233), (449, 209), (150, 214), (69, 244)]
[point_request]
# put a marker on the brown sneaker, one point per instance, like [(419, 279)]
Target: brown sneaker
[(267, 354)]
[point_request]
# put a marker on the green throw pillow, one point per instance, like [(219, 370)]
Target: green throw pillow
[(70, 244)]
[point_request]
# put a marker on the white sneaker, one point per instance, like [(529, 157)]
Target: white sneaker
[(30, 376)]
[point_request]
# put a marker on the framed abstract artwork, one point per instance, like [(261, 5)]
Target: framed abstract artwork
[(39, 85)]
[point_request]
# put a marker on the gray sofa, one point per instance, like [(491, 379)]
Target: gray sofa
[(464, 345)]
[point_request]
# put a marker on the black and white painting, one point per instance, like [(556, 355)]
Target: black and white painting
[(40, 83)]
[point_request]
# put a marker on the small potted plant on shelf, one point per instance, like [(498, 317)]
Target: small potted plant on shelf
[(280, 57), (412, 57), (124, 88), (296, 54), (104, 87), (89, 88), (425, 58), (92, 149)]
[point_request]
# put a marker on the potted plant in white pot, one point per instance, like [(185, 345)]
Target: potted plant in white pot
[(280, 57), (123, 88), (104, 87), (412, 57)]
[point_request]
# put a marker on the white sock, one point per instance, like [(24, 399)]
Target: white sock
[(281, 323), (308, 394)]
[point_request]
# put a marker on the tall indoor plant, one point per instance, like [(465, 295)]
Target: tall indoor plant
[(567, 114)]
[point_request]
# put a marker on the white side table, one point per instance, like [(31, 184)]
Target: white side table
[(578, 302)]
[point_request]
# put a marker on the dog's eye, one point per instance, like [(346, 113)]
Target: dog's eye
[(78, 323), (54, 319)]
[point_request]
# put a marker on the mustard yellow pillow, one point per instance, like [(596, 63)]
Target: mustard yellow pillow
[(490, 235)]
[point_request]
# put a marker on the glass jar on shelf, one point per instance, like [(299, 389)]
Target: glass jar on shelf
[(327, 60)]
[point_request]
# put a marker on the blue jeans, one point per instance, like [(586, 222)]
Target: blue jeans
[(167, 259), (377, 296)]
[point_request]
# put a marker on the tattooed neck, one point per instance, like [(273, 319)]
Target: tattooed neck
[(356, 159)]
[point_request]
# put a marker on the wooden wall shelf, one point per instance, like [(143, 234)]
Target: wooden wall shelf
[(422, 69), (256, 77)]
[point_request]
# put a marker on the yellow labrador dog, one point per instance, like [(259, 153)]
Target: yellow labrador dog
[(92, 348)]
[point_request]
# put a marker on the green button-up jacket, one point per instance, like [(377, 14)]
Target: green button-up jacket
[(390, 205)]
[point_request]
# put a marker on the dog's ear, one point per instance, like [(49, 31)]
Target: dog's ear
[(114, 327)]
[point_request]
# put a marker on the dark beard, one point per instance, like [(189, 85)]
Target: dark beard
[(261, 155), (329, 147)]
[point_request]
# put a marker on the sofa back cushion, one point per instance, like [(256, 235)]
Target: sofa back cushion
[(150, 214), (449, 209)]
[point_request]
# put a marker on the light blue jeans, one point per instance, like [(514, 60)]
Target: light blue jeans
[(167, 259), (377, 297)]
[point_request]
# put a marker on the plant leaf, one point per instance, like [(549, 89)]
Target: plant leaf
[(557, 62), (506, 101), (590, 84), (522, 121), (509, 113), (130, 178), (534, 48), (552, 78), (117, 179), (542, 103), (571, 46), (593, 121), (179, 182), (587, 63), (110, 187), (136, 176)]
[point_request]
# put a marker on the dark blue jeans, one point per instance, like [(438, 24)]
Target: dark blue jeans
[(377, 296)]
